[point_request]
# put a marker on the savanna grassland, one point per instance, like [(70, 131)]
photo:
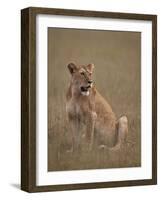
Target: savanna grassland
[(117, 76)]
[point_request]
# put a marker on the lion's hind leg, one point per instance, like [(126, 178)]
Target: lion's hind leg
[(122, 131)]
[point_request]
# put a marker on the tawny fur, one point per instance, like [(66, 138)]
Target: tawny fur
[(85, 105)]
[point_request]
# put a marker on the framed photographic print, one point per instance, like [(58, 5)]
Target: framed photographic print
[(88, 99)]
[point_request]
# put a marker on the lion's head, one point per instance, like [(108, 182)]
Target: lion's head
[(81, 78)]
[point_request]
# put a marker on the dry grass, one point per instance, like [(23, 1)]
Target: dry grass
[(117, 77)]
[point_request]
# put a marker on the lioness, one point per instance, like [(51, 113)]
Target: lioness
[(84, 104)]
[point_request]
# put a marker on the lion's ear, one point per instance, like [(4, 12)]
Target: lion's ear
[(90, 68), (72, 67)]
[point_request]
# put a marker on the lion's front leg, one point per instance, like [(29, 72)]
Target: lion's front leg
[(75, 133), (90, 124)]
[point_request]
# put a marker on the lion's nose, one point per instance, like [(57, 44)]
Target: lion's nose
[(90, 81)]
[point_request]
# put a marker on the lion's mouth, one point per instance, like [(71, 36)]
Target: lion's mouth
[(85, 88)]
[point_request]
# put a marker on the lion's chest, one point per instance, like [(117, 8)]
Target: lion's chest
[(74, 109)]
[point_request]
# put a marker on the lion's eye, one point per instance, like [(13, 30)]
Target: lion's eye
[(82, 73)]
